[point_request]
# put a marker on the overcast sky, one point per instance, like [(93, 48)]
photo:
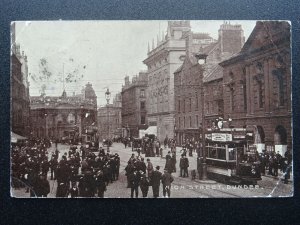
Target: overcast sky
[(99, 52)]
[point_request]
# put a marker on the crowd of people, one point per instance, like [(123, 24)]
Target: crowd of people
[(142, 175), (78, 172), (270, 163)]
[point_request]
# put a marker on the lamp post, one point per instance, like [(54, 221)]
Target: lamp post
[(201, 61), (107, 97)]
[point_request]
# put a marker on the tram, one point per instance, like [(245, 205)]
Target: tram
[(230, 157)]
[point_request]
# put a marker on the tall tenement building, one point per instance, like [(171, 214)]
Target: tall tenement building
[(134, 111), (20, 103), (162, 61), (189, 79)]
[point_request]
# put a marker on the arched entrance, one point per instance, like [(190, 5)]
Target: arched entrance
[(259, 139), (280, 139)]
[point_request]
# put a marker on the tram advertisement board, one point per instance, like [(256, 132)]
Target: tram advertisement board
[(221, 137)]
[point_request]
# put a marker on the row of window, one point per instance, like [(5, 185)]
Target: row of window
[(187, 122), (186, 104)]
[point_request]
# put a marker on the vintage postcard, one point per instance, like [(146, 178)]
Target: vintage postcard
[(151, 109)]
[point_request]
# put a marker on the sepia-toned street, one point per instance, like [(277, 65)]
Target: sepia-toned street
[(181, 187)]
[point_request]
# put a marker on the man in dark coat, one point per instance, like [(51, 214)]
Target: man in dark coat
[(181, 165), (100, 184), (73, 191), (186, 166), (144, 184), (168, 165), (135, 183), (129, 171), (166, 181), (117, 159), (41, 186), (155, 180), (53, 166)]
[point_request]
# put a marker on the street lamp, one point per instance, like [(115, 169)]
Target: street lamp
[(201, 57), (107, 97)]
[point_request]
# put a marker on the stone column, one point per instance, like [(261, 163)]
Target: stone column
[(267, 87)]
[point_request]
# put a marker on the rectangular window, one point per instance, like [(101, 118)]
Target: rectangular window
[(190, 104), (190, 121), (178, 105), (143, 119), (184, 105), (142, 93), (183, 122), (143, 105), (179, 122), (197, 120)]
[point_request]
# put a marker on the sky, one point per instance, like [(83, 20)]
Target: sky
[(99, 52)]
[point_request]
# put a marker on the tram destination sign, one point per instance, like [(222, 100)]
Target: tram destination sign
[(221, 137)]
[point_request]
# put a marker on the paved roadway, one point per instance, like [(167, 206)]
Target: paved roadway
[(181, 187)]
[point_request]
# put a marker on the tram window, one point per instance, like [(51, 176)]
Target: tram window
[(232, 153), (222, 153), (217, 153)]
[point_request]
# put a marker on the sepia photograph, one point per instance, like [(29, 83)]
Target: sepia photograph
[(151, 109)]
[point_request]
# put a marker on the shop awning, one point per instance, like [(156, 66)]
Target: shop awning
[(151, 130), (15, 137)]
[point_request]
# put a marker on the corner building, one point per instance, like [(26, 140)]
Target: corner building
[(257, 86), (162, 61)]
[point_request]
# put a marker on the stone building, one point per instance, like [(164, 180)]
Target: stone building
[(190, 77), (257, 86), (134, 111), (231, 40), (20, 102), (187, 89), (110, 119), (65, 117), (162, 61)]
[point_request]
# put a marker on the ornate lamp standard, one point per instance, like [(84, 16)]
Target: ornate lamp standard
[(107, 97), (201, 57)]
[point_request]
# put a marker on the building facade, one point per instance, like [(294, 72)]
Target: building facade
[(187, 89), (20, 102), (162, 61), (134, 111), (110, 119), (231, 40), (65, 117), (257, 86), (189, 79)]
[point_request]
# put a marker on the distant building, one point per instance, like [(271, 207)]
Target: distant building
[(20, 103), (134, 111), (257, 86), (162, 61), (72, 117), (110, 119)]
